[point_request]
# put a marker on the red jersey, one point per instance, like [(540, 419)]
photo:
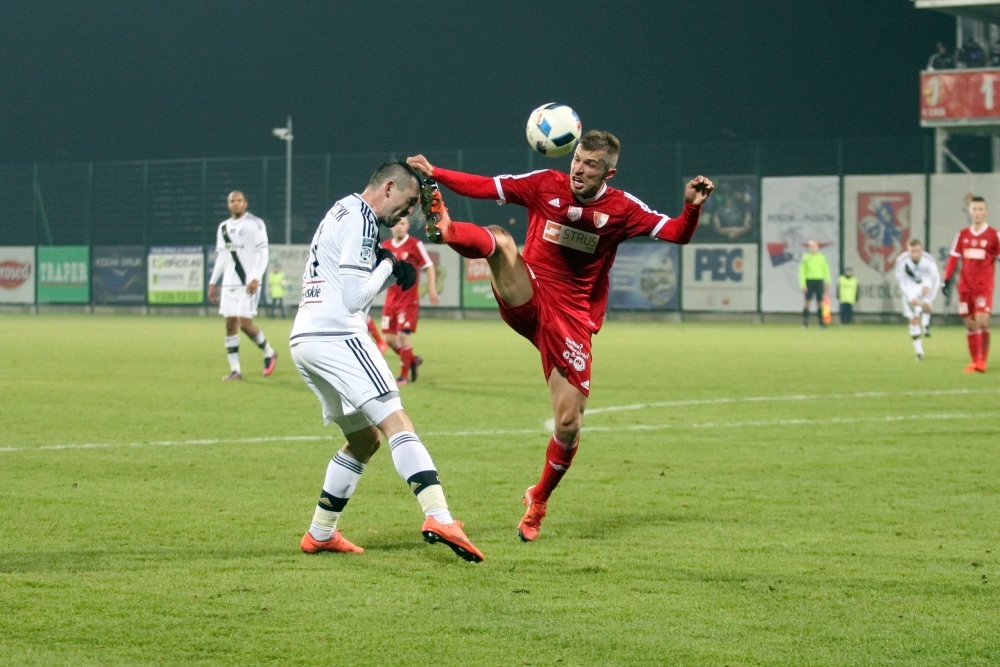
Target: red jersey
[(571, 245), (408, 250), (978, 253)]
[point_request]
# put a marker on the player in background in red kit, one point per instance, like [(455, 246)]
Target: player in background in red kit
[(977, 246), (555, 294), (402, 308)]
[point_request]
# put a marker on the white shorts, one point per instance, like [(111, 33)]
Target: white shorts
[(351, 379), (912, 312), (235, 302)]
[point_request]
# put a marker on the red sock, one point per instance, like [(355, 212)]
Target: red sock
[(558, 457), (373, 330), (470, 240), (406, 359), (975, 339), (986, 344)]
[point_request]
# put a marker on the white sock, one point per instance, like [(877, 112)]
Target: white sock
[(342, 475), (918, 344), (233, 352), (261, 341), (925, 320), (414, 464)]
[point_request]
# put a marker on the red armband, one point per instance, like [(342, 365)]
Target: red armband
[(680, 229), (467, 185)]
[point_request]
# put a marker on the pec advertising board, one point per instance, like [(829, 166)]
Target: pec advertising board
[(176, 275), (119, 274), (720, 277), (17, 274), (645, 276), (64, 274)]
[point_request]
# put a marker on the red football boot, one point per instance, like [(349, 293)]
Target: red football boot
[(338, 543)]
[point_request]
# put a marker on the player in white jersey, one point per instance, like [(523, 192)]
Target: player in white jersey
[(340, 363), (919, 280), (240, 262)]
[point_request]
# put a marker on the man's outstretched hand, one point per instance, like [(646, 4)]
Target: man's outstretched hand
[(696, 191), (421, 165)]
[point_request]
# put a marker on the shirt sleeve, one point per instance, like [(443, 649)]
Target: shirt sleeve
[(518, 189), (220, 257), (640, 220), (423, 254), (357, 254)]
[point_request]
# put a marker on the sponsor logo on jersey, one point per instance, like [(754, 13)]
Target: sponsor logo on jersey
[(600, 219), (721, 264), (574, 213), (313, 292), (570, 237), (575, 355), (13, 274), (554, 202), (883, 228), (974, 253)]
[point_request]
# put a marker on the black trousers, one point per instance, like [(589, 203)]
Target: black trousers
[(846, 313)]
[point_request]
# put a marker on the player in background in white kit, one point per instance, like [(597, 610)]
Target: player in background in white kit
[(919, 280), (240, 261), (346, 268)]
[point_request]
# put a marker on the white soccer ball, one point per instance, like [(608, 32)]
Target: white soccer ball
[(553, 129)]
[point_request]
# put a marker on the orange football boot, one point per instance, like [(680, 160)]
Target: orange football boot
[(452, 535), (981, 366), (531, 522), (438, 222), (971, 368), (338, 543)]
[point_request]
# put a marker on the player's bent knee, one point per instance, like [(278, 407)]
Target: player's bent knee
[(505, 242)]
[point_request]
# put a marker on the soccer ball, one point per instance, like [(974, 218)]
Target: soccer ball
[(553, 129)]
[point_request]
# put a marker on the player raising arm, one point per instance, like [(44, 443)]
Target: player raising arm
[(340, 363), (555, 294), (977, 246), (919, 279)]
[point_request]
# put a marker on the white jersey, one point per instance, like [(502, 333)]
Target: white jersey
[(914, 276), (248, 239), (345, 245)]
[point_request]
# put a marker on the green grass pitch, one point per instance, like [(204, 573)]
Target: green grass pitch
[(771, 496)]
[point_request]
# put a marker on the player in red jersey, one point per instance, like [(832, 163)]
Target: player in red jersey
[(978, 247), (402, 308), (555, 294)]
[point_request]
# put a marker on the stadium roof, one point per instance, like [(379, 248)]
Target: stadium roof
[(987, 11)]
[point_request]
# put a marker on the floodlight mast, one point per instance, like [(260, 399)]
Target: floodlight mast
[(285, 134)]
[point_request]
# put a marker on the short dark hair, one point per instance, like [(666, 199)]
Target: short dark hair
[(977, 198), (598, 140), (915, 242), (394, 171)]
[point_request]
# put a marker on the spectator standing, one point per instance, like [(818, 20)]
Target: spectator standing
[(972, 54), (277, 285), (847, 295), (941, 59)]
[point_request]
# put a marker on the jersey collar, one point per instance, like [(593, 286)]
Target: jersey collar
[(973, 231), (398, 245), (600, 193)]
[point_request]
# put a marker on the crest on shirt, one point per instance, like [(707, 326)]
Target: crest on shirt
[(600, 219), (574, 213), (883, 228)]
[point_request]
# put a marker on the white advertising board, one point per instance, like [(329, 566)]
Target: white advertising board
[(881, 215), (292, 259), (176, 275), (949, 194), (17, 274), (795, 210), (720, 277)]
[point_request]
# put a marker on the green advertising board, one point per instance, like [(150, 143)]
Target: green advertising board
[(63, 274), (476, 289)]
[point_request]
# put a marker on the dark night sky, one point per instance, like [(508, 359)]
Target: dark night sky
[(139, 79)]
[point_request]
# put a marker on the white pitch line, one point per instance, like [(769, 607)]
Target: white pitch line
[(549, 423), (588, 429)]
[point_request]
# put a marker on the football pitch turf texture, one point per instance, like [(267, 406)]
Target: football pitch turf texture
[(744, 494)]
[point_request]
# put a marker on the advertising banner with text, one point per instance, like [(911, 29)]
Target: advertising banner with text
[(950, 194), (795, 210), (881, 215), (720, 277), (64, 274), (119, 274), (17, 274), (960, 97), (176, 275), (645, 276)]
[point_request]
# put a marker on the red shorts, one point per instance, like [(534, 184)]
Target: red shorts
[(562, 339), (970, 303), (400, 316)]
